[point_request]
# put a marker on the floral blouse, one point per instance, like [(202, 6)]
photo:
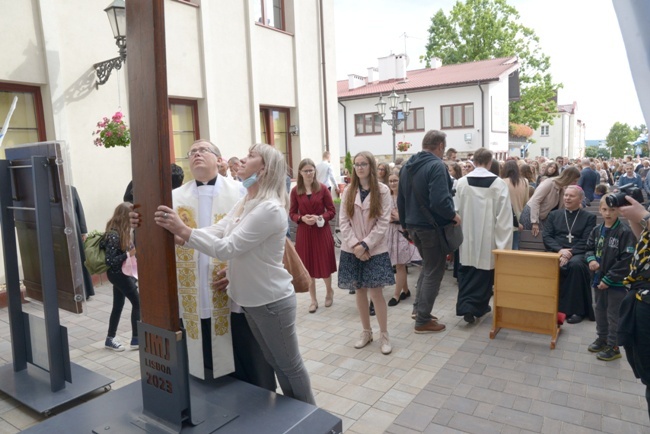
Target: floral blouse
[(115, 256)]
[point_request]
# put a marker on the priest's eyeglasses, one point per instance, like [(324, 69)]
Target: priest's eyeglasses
[(201, 151)]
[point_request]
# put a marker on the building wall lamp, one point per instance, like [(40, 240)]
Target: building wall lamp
[(397, 115), (116, 12)]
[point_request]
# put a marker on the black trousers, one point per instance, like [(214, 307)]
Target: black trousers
[(638, 350), (123, 287)]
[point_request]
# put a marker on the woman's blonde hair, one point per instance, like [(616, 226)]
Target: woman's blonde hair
[(300, 182), (120, 223), (351, 190), (567, 177), (272, 180)]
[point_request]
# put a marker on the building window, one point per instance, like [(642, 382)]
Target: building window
[(544, 130), (457, 116), (270, 13), (545, 152), (27, 124), (414, 121), (274, 125), (367, 123), (185, 131)]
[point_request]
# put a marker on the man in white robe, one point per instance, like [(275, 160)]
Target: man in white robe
[(486, 214), (205, 310)]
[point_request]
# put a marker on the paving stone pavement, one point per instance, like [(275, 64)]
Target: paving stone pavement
[(455, 381)]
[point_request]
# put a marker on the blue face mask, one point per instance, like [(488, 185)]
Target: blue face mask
[(250, 180)]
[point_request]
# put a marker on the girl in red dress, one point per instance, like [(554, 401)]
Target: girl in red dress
[(312, 209)]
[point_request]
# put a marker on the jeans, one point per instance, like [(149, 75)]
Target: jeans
[(274, 328), (516, 237), (607, 304), (123, 287), (429, 245)]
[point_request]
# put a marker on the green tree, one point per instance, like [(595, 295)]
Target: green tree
[(490, 29), (618, 139), (348, 162), (597, 152), (591, 152)]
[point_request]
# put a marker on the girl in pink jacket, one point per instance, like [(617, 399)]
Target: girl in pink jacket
[(365, 264)]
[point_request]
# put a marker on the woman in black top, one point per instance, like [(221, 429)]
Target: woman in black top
[(118, 246)]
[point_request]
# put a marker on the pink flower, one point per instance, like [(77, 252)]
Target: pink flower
[(108, 133), (117, 117)]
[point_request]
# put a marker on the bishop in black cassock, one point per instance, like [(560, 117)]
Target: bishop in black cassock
[(567, 231)]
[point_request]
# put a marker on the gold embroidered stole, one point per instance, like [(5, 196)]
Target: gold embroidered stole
[(186, 204)]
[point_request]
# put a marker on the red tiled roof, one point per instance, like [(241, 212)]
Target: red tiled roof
[(447, 75), (567, 108)]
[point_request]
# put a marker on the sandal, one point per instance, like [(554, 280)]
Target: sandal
[(313, 307)]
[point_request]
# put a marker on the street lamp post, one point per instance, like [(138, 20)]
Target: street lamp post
[(116, 12), (394, 119)]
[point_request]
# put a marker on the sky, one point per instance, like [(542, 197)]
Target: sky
[(581, 37)]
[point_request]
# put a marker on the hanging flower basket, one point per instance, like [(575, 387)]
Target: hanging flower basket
[(112, 132), (403, 146)]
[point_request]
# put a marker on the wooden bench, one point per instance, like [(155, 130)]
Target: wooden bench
[(526, 289)]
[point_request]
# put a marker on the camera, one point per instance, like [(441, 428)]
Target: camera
[(615, 200)]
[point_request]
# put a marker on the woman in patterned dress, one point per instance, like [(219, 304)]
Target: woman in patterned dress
[(365, 264), (312, 209), (400, 250)]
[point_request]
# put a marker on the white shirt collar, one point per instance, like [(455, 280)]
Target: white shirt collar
[(480, 172)]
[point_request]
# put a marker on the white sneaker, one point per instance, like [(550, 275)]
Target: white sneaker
[(385, 343)]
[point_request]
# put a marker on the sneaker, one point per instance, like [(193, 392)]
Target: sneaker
[(385, 343), (366, 338), (134, 343), (609, 354), (393, 301), (431, 327), (113, 344), (414, 314), (597, 346), (372, 309)]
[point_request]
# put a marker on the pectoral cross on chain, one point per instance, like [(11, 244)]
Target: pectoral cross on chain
[(570, 238)]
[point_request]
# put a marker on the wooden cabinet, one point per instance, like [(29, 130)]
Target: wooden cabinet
[(526, 292)]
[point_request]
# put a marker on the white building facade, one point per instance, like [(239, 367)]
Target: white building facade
[(565, 137), (239, 72), (469, 102)]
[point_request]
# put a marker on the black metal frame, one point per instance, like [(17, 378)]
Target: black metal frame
[(104, 69), (37, 388)]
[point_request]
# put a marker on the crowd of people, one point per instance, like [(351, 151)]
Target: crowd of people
[(231, 224)]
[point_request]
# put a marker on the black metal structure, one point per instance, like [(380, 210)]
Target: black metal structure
[(41, 375)]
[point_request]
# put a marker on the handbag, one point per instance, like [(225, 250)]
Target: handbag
[(95, 255), (130, 267), (293, 264), (451, 234)]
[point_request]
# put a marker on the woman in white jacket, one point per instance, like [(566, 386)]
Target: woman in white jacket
[(252, 238)]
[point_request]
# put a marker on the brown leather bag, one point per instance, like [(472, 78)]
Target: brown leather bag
[(293, 264)]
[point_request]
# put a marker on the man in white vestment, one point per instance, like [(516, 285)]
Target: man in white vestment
[(486, 212), (204, 306)]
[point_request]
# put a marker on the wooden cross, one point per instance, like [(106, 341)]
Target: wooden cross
[(151, 160)]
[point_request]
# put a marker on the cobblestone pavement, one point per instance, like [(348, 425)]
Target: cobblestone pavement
[(455, 381)]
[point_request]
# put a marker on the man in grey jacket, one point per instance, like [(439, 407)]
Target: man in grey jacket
[(425, 178)]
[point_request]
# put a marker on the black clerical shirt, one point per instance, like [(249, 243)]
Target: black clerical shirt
[(566, 229)]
